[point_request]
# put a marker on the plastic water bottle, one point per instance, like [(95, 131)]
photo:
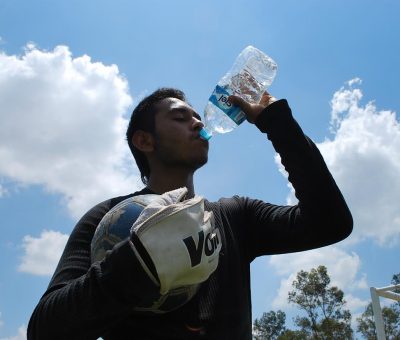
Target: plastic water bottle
[(252, 72)]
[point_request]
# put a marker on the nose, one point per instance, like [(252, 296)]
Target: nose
[(197, 124)]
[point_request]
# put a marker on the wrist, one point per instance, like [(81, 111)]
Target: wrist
[(277, 110)]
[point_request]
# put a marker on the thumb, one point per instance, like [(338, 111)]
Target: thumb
[(237, 101), (250, 110)]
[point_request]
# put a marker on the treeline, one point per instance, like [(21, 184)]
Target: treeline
[(323, 313)]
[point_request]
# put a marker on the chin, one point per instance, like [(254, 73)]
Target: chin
[(200, 162)]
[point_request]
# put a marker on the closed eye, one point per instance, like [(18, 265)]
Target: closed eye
[(183, 114), (179, 118)]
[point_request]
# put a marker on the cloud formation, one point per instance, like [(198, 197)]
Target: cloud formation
[(3, 191), (365, 160), (41, 254), (363, 156), (63, 126), (21, 335)]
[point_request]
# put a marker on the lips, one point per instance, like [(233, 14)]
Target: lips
[(201, 140)]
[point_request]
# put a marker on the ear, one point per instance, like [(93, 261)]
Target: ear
[(144, 141)]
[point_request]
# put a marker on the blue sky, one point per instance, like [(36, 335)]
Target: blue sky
[(72, 71)]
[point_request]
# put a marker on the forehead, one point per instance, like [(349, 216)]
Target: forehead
[(170, 104)]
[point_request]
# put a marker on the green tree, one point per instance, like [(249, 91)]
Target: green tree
[(325, 316), (391, 319), (270, 326), (366, 324), (390, 315), (396, 281), (293, 335)]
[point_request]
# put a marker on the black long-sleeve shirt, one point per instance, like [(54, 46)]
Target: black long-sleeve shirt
[(87, 301)]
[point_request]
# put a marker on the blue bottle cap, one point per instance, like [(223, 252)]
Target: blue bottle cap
[(205, 134)]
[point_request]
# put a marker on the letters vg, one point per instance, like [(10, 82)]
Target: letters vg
[(207, 245)]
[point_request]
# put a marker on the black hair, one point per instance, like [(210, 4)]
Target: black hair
[(142, 118)]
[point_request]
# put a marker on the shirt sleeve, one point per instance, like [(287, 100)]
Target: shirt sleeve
[(84, 300), (321, 216)]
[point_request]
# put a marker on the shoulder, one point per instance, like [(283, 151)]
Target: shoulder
[(93, 216), (235, 201), (224, 201), (229, 206), (239, 207), (103, 207)]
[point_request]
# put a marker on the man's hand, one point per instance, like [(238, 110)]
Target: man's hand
[(252, 110)]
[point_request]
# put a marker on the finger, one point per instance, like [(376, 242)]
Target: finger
[(265, 98), (245, 106)]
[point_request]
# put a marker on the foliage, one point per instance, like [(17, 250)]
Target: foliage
[(396, 281), (293, 335), (390, 315), (324, 314), (270, 326), (323, 305), (391, 319)]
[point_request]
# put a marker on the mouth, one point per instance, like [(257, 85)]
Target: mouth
[(204, 134), (201, 140)]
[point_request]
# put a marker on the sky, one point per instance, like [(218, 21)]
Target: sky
[(71, 73)]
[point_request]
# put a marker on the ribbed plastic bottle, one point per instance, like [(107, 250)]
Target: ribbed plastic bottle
[(251, 74)]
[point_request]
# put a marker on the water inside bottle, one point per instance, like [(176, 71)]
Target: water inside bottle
[(216, 120), (250, 75)]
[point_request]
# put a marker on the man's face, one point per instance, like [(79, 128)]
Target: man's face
[(177, 138)]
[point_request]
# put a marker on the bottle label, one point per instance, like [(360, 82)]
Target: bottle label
[(220, 99)]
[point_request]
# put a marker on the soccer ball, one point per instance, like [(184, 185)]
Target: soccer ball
[(115, 227)]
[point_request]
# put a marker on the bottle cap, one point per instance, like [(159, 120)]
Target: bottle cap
[(205, 134)]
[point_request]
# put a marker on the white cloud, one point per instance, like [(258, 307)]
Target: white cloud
[(281, 299), (42, 254), (353, 81), (3, 191), (343, 269), (354, 303), (63, 126), (21, 335), (364, 158)]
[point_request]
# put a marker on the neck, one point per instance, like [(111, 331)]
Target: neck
[(161, 181)]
